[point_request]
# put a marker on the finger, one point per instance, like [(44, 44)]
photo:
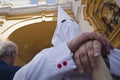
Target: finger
[(97, 36), (90, 51), (78, 62), (97, 48), (104, 42), (84, 58)]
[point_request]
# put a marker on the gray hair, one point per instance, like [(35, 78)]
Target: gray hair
[(6, 47)]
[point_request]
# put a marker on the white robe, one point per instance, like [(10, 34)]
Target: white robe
[(49, 63), (44, 65)]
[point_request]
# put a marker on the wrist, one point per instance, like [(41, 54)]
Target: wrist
[(69, 46)]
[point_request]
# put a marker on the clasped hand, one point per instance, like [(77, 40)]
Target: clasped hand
[(87, 48)]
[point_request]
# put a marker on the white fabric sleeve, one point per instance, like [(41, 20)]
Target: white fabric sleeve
[(114, 59), (50, 64)]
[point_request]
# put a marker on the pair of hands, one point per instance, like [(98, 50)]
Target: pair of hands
[(87, 48)]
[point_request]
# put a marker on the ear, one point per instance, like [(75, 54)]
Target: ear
[(12, 54), (12, 57)]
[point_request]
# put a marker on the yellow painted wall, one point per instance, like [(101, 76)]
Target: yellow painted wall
[(31, 32)]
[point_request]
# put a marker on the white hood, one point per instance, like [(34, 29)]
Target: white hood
[(62, 15), (66, 30)]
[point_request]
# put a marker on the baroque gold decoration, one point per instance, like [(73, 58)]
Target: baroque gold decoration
[(110, 15), (104, 16)]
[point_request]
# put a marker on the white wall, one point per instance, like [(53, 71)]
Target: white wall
[(79, 16)]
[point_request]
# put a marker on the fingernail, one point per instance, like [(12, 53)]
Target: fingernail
[(97, 54)]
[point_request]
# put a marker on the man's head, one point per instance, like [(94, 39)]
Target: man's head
[(8, 51)]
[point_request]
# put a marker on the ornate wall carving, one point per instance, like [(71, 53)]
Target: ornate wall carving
[(104, 16)]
